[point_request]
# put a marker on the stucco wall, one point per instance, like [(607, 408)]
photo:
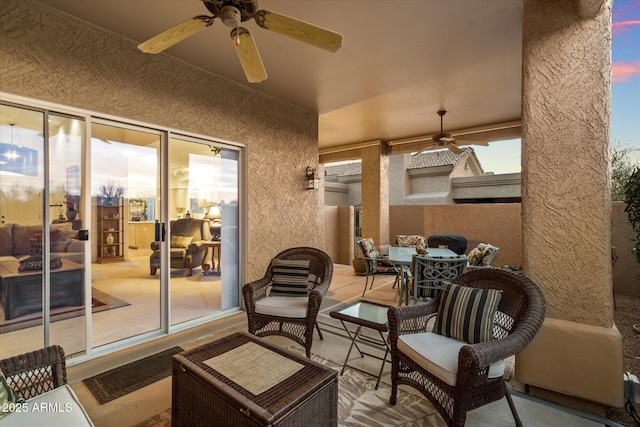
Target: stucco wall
[(565, 156), (52, 57), (498, 224)]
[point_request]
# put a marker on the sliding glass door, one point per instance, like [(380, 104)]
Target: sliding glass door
[(125, 173), (42, 260), (203, 224), (111, 233)]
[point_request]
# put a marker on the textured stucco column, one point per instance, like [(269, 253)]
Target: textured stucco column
[(566, 198), (375, 194)]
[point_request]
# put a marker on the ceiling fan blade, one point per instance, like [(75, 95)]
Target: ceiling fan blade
[(446, 139), (249, 55), (454, 148), (299, 30), (175, 34), (471, 142)]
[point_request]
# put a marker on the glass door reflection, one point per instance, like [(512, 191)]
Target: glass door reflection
[(203, 239), (124, 199)]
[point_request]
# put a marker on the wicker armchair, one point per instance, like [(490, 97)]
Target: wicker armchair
[(34, 373), (470, 383), (263, 322)]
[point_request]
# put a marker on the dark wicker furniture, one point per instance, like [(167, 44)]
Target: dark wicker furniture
[(298, 329), (520, 315), (204, 397), (36, 372)]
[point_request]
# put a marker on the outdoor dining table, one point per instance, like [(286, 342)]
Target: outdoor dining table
[(401, 258)]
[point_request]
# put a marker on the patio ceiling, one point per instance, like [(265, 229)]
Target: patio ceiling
[(401, 60)]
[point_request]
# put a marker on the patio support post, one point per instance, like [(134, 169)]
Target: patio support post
[(375, 194), (566, 101)]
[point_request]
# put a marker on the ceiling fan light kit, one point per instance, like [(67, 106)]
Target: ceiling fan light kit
[(232, 13)]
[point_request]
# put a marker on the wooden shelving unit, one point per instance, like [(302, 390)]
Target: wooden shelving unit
[(110, 234)]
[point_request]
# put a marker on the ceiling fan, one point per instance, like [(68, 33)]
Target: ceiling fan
[(232, 13), (447, 140)]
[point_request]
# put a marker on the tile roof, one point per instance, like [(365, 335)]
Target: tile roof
[(425, 159), (344, 169)]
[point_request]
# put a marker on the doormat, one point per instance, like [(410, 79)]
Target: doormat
[(100, 301), (131, 377)]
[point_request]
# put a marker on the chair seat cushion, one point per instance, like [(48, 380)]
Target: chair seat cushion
[(439, 355), (178, 253), (295, 307)]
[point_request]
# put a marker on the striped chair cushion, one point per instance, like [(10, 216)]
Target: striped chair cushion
[(290, 277), (467, 313)]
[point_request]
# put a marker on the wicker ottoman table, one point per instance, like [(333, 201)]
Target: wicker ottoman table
[(242, 380)]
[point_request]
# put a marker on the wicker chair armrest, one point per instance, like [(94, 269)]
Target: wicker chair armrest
[(409, 319), (483, 354), (315, 299), (36, 372), (255, 291), (322, 288)]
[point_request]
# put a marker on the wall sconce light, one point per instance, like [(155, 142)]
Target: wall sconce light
[(313, 182)]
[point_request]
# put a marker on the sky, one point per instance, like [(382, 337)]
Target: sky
[(504, 156)]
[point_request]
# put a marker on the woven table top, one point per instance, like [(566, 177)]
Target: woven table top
[(268, 368)]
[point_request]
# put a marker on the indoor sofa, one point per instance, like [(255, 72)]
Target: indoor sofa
[(15, 242)]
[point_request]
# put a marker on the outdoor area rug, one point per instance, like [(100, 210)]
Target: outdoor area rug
[(131, 377), (359, 403), (100, 301)]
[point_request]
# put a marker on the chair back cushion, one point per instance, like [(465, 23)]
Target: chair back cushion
[(290, 277), (409, 240), (368, 248), (180, 241), (198, 229), (467, 313), (482, 254)]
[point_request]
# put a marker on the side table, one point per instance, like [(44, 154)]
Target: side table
[(368, 315), (215, 255), (243, 380)]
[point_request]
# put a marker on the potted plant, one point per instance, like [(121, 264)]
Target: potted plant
[(632, 199)]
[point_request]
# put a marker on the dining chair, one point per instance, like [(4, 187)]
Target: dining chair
[(481, 256), (375, 263), (460, 364), (429, 272)]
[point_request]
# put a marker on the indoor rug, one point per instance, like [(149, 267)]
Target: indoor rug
[(100, 301), (131, 377), (359, 403)]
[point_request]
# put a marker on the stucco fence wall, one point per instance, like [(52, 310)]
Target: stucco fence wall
[(498, 224)]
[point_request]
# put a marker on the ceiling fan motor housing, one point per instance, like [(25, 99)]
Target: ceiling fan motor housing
[(247, 9)]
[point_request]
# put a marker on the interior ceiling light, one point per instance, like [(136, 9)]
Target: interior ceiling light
[(11, 153)]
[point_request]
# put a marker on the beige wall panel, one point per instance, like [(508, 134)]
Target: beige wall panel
[(50, 56), (498, 224)]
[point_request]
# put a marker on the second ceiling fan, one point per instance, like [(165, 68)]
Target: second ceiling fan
[(447, 140), (232, 13)]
